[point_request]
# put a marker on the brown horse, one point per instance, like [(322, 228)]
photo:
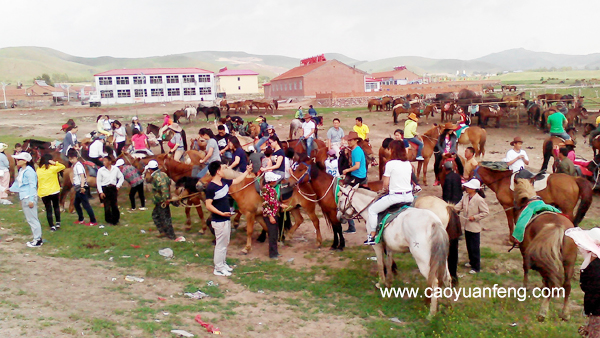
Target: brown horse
[(562, 191), (448, 109), (575, 116), (276, 104), (154, 129), (488, 89), (587, 129), (514, 101), (476, 137), (545, 248), (261, 104), (179, 114), (184, 187), (386, 101), (509, 88), (375, 103), (549, 99), (486, 112), (397, 110), (324, 187), (549, 145)]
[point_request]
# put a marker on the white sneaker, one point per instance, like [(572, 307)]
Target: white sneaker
[(35, 244), (473, 272), (222, 273), (143, 209), (419, 158), (228, 268), (5, 202), (467, 265)]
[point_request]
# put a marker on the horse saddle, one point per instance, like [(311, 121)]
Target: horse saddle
[(388, 216), (540, 180), (494, 109), (139, 155), (461, 130), (91, 167), (495, 165)]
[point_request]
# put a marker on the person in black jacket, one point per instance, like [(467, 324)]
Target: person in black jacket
[(452, 188), (446, 148)]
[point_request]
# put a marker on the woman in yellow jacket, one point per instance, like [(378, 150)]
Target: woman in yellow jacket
[(49, 188)]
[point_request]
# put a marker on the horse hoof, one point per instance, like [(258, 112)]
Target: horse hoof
[(245, 251), (541, 318), (565, 318)]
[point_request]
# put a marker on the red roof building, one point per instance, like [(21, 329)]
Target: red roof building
[(400, 75), (323, 76)]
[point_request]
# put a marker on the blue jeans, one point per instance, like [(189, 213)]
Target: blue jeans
[(260, 143), (562, 135), (415, 141), (203, 171), (309, 143)]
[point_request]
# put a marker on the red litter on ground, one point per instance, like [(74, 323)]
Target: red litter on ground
[(136, 246), (161, 298), (209, 327)]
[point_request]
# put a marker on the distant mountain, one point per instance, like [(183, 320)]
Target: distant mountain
[(24, 63), (523, 59)]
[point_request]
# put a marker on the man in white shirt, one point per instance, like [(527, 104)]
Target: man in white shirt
[(109, 181), (516, 158), (335, 135), (309, 132), (96, 150)]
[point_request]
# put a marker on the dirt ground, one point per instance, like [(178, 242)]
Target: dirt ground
[(39, 285)]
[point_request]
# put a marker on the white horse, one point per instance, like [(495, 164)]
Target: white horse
[(295, 125), (190, 111), (418, 231)]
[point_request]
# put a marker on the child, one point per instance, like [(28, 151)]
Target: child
[(81, 188), (266, 161), (331, 164), (474, 210), (18, 149)]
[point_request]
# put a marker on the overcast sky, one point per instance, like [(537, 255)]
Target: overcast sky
[(365, 30)]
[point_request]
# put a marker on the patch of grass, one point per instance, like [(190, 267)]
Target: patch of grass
[(104, 326), (69, 330)]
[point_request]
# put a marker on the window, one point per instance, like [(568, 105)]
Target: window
[(239, 88), (300, 84), (107, 94), (105, 81), (123, 92), (156, 79), (172, 78), (205, 91), (294, 85), (139, 80), (203, 78), (189, 91), (189, 78), (141, 93), (285, 86), (238, 78), (122, 80), (173, 91), (156, 91)]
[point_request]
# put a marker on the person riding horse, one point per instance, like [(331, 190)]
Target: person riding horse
[(445, 150)]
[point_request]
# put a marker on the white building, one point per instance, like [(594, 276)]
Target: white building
[(143, 85)]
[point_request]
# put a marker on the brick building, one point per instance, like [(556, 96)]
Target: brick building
[(324, 76), (398, 76)]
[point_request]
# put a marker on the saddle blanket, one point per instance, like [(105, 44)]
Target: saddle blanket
[(531, 211), (460, 131), (537, 185), (387, 217)]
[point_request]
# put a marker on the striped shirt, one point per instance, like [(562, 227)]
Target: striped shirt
[(131, 175)]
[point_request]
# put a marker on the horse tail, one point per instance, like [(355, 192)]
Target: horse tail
[(545, 253), (547, 151), (438, 258), (175, 119), (586, 193), (184, 137), (369, 106)]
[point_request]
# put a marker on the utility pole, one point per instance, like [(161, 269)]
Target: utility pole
[(4, 92)]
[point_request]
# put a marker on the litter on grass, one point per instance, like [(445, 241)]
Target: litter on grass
[(182, 333), (166, 253), (196, 295), (134, 279)]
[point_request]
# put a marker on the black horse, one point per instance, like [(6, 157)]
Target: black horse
[(216, 111)]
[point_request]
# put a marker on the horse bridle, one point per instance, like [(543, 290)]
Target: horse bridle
[(347, 205)]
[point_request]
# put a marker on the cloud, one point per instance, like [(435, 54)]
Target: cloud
[(367, 30)]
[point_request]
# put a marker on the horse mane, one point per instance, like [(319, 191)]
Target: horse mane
[(367, 192), (523, 190), (189, 183), (432, 132)]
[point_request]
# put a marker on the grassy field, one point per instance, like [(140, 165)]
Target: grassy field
[(529, 77)]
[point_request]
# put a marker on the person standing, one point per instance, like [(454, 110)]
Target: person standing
[(135, 180), (397, 181), (334, 136), (120, 136), (161, 188), (361, 129), (470, 164), (96, 150), (309, 128), (411, 135), (69, 142), (474, 209), (4, 175), (79, 180), (222, 139), (212, 150), (217, 202), (558, 122), (240, 160), (49, 188), (109, 181), (271, 207), (255, 159), (516, 158), (26, 185), (452, 188), (358, 171)]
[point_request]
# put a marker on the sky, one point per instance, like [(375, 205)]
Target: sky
[(364, 30)]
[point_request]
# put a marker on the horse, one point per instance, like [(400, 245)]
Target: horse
[(562, 191), (67, 185), (575, 116), (486, 112), (587, 129), (400, 109), (534, 112), (545, 248), (179, 114), (216, 111), (375, 103), (514, 101), (418, 231), (509, 88), (247, 104), (549, 99), (276, 104), (448, 109), (261, 104), (295, 125), (187, 194), (550, 143), (488, 89), (386, 101), (39, 148), (154, 129)]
